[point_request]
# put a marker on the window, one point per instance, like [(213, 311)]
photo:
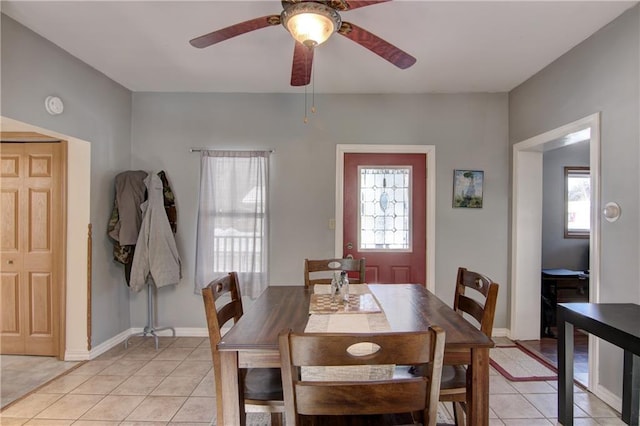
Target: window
[(577, 223), (384, 208), (233, 218)]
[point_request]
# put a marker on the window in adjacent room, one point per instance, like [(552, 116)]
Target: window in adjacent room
[(577, 222)]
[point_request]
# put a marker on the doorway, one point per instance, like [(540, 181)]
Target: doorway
[(33, 246), (428, 151), (77, 316), (526, 227)]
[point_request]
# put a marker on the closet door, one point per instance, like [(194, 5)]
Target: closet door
[(30, 240)]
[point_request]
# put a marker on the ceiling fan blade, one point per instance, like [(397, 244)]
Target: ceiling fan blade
[(234, 30), (354, 4), (302, 63), (388, 51)]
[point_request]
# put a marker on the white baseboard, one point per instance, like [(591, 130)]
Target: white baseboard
[(180, 332), (500, 332), (120, 338), (105, 346), (76, 355), (608, 397)]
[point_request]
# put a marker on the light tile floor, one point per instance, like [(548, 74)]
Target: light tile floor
[(174, 385), (14, 383)]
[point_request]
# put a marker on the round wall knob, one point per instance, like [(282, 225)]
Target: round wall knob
[(611, 211)]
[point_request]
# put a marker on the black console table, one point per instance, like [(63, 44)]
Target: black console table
[(617, 323), (560, 286)]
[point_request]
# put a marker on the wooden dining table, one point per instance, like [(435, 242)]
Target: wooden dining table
[(253, 341)]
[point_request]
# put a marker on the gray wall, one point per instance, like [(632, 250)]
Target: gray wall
[(156, 130), (96, 110), (601, 74), (469, 131), (558, 251)]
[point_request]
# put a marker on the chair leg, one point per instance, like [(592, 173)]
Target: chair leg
[(277, 419), (458, 414)]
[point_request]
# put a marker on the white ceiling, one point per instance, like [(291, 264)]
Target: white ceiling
[(472, 46)]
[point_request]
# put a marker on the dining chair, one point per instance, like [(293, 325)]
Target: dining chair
[(481, 307), (315, 271), (262, 387), (327, 400)]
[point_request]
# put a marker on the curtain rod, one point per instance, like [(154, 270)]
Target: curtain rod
[(241, 150)]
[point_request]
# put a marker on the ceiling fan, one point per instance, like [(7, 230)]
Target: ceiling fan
[(311, 22)]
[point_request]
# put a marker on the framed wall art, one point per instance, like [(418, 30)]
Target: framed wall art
[(467, 188)]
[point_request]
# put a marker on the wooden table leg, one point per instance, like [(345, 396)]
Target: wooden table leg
[(232, 404), (478, 388)]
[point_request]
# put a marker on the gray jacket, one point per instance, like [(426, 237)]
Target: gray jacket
[(156, 256)]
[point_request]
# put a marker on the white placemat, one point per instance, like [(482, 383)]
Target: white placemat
[(353, 289), (349, 323)]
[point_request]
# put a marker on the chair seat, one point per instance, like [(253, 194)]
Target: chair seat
[(263, 384), (454, 377)]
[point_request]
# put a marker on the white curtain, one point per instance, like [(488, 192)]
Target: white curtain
[(233, 220)]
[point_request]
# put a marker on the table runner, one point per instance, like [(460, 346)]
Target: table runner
[(353, 289), (348, 323)]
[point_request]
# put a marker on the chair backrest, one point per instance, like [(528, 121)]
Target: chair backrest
[(313, 270), (393, 395), (483, 311), (217, 317)]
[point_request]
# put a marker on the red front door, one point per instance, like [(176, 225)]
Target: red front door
[(385, 215)]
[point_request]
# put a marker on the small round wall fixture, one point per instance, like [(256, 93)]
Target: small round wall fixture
[(53, 105), (611, 211)]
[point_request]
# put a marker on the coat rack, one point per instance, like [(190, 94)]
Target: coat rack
[(131, 225), (150, 329)]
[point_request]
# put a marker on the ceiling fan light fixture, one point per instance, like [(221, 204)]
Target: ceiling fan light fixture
[(310, 23)]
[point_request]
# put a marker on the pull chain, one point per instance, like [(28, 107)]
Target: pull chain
[(306, 75), (313, 89), (313, 86), (306, 119)]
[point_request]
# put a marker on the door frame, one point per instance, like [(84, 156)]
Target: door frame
[(430, 198), (76, 311), (526, 229), (59, 235)]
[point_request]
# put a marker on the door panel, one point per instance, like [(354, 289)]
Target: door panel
[(40, 294), (10, 294), (401, 274), (385, 215), (31, 222), (39, 221), (10, 220)]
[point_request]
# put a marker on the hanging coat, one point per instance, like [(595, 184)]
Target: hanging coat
[(156, 256), (126, 217)]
